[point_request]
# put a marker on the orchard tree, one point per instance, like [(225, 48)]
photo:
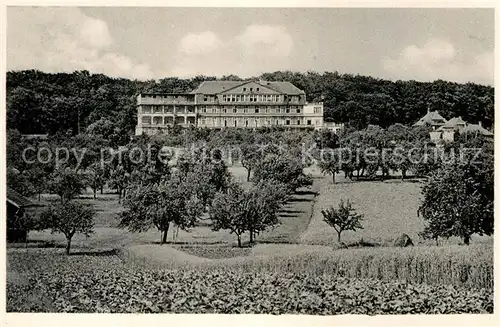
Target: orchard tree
[(228, 211), (119, 180), (458, 201), (342, 219), (96, 177), (326, 138), (283, 169), (66, 183), (266, 199), (330, 161), (160, 205), (250, 156), (69, 218)]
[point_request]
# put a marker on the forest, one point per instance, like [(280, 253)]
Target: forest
[(40, 103)]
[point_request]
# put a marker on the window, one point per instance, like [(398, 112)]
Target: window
[(317, 110), (287, 110), (235, 123), (225, 110), (251, 89), (287, 122), (225, 123), (257, 89), (298, 122), (234, 110), (204, 109), (205, 99), (298, 110), (256, 110), (308, 122), (203, 122), (146, 120), (277, 122), (246, 123), (244, 89)]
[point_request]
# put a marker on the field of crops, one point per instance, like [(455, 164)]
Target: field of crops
[(467, 266), (105, 284)]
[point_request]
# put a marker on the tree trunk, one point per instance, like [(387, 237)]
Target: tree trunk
[(119, 194), (102, 190), (39, 196), (68, 245), (248, 174), (362, 172), (164, 237), (466, 239), (95, 193), (239, 240), (338, 236), (403, 174), (333, 177)]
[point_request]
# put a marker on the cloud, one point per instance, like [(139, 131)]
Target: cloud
[(256, 49), (439, 59), (197, 44), (266, 39), (64, 39)]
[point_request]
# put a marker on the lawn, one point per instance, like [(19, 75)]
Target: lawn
[(389, 209), (294, 219)]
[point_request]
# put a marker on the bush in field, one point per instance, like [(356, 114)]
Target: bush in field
[(159, 205), (458, 201), (342, 219), (68, 218), (283, 169)]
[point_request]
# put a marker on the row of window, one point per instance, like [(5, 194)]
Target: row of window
[(254, 122), (148, 109), (251, 98), (264, 110)]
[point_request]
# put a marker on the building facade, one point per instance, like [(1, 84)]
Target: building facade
[(229, 104)]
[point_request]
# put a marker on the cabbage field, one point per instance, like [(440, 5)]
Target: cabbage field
[(51, 282)]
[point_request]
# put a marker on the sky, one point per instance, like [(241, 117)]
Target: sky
[(154, 43)]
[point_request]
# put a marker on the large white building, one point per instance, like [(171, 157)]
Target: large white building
[(225, 104)]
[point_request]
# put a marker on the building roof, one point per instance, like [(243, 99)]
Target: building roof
[(453, 123), (431, 118), (476, 128), (214, 87), (19, 200)]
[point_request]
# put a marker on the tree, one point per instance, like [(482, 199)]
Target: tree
[(266, 200), (326, 138), (330, 162), (96, 177), (66, 183), (253, 210), (160, 204), (119, 180), (342, 219), (283, 169), (458, 201), (250, 156), (69, 218), (229, 210), (20, 182)]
